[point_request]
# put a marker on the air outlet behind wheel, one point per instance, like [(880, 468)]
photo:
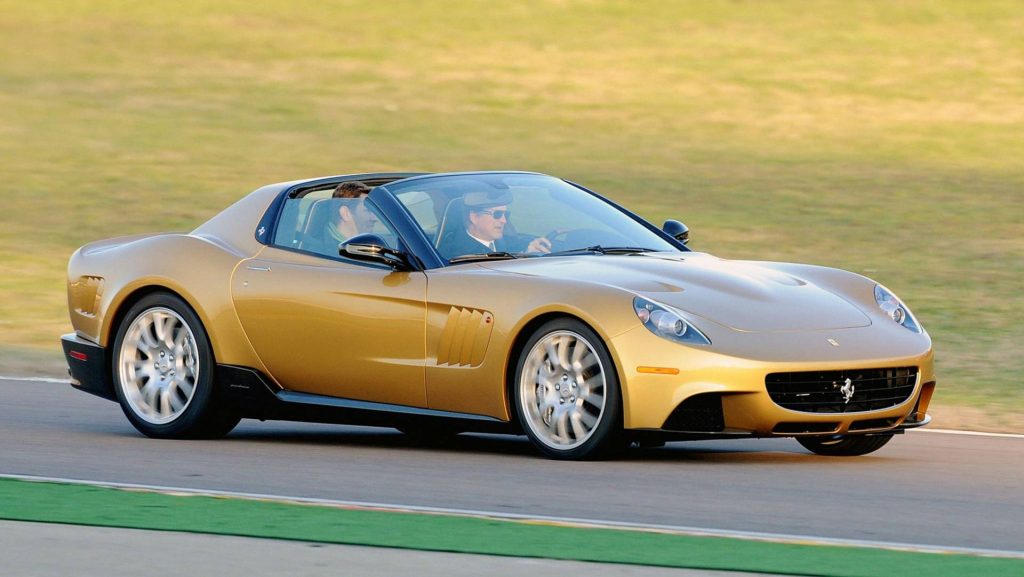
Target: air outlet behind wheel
[(85, 294), (465, 337)]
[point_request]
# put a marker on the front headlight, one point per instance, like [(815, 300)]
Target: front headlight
[(667, 323), (895, 309)]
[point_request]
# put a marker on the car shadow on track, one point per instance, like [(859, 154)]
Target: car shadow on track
[(385, 438), (739, 452)]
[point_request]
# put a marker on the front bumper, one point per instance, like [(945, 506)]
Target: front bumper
[(725, 394), (88, 367), (914, 421)]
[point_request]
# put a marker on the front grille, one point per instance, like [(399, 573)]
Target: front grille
[(848, 391)]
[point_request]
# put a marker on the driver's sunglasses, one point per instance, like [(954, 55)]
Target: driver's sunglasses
[(497, 214)]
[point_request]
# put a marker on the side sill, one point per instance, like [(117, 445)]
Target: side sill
[(257, 398)]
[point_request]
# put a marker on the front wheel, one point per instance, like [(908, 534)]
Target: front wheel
[(163, 371), (844, 445), (567, 392)]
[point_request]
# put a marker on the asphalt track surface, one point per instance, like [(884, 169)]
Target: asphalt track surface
[(923, 488)]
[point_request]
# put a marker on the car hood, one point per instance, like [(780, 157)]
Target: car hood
[(741, 295)]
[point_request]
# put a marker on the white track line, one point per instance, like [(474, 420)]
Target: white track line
[(35, 379), (915, 431), (543, 519), (970, 433)]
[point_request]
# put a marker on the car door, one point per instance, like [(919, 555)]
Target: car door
[(333, 327)]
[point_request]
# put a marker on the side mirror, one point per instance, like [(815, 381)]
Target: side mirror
[(372, 248), (677, 230)]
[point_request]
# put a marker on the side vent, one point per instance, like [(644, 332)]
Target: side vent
[(84, 295), (465, 337)]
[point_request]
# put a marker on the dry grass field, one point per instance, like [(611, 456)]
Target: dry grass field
[(882, 137)]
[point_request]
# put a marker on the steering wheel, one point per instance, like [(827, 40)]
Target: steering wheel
[(558, 238)]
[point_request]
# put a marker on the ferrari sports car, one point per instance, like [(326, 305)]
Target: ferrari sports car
[(506, 302)]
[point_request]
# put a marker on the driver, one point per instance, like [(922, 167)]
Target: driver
[(486, 216)]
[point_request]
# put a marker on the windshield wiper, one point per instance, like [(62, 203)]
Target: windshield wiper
[(598, 249), (501, 255)]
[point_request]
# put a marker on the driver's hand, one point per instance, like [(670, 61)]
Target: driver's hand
[(539, 244)]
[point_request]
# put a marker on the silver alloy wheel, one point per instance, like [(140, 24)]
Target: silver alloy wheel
[(158, 365), (563, 390)]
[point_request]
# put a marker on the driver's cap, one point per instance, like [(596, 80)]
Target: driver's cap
[(487, 198)]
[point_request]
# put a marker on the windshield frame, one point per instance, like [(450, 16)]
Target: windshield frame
[(435, 260)]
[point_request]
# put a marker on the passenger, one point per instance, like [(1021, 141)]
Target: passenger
[(352, 217), (485, 217)]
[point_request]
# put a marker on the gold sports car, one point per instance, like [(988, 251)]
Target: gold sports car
[(417, 301)]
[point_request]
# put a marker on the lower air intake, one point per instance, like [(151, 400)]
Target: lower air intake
[(698, 414)]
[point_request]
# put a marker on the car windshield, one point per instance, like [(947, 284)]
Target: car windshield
[(498, 215)]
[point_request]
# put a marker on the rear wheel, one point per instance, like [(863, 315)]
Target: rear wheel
[(844, 445), (163, 372), (567, 392)]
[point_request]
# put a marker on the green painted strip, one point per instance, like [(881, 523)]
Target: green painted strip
[(100, 506)]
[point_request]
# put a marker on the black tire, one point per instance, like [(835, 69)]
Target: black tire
[(844, 445), (149, 380), (580, 414)]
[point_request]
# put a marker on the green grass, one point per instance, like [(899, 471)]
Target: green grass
[(97, 506), (880, 137)]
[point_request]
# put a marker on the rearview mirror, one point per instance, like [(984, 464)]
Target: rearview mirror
[(373, 248), (676, 230)]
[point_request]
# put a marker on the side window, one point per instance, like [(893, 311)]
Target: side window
[(295, 218)]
